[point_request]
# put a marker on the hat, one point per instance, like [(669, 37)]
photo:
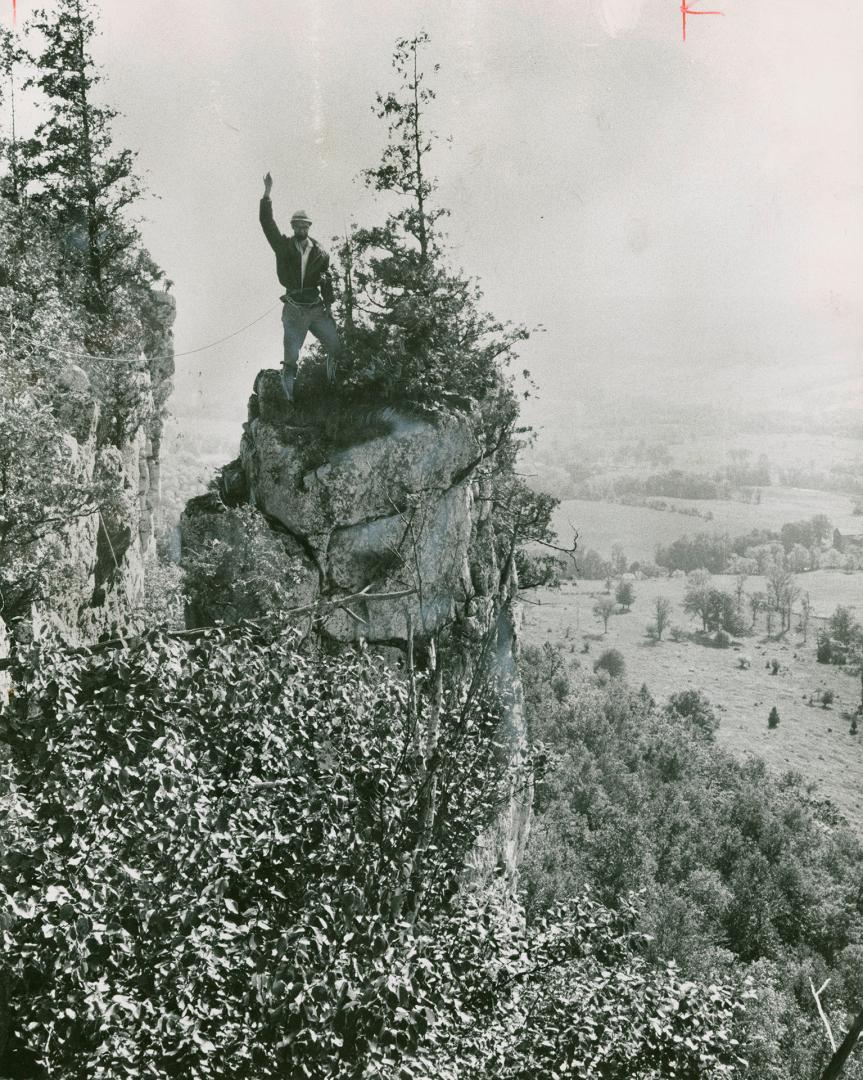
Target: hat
[(301, 216)]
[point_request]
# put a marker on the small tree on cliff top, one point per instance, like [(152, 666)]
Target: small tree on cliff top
[(414, 330)]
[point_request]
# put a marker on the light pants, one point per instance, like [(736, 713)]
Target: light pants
[(297, 321)]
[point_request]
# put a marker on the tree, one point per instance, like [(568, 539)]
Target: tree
[(782, 591), (693, 706), (414, 331), (799, 558), (522, 524), (739, 592), (592, 566), (624, 594), (719, 612), (661, 615), (51, 410), (805, 615), (843, 626), (603, 609), (757, 604), (236, 568), (697, 598), (611, 661), (824, 648), (821, 528), (706, 551), (619, 562), (11, 56), (855, 662), (773, 718), (82, 180)]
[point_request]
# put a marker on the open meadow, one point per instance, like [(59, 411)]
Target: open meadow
[(640, 529), (811, 739)]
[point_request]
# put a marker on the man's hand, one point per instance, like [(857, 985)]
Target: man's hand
[(268, 185)]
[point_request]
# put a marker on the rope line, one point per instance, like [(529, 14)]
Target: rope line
[(154, 356)]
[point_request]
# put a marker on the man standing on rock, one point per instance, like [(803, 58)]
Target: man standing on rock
[(304, 270)]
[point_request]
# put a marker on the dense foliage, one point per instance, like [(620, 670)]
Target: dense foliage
[(228, 859), (797, 547), (742, 875)]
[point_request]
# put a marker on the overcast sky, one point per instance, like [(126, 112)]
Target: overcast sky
[(684, 219)]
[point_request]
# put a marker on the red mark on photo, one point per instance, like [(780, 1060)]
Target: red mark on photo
[(685, 10)]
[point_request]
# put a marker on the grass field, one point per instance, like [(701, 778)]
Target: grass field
[(813, 740), (640, 529)]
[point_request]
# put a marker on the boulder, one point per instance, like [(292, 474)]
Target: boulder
[(405, 507)]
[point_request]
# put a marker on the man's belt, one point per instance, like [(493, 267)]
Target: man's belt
[(291, 298)]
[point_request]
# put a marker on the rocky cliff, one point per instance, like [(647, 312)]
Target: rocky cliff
[(103, 576), (380, 523)]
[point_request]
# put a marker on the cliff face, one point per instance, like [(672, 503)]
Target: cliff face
[(103, 578), (386, 526)]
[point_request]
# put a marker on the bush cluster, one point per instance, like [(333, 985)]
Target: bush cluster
[(742, 873)]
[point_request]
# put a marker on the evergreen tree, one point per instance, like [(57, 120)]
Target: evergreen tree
[(81, 180), (773, 718), (10, 56), (414, 330)]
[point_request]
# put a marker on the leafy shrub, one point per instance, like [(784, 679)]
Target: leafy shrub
[(824, 648), (693, 706), (827, 697), (773, 718), (611, 661), (225, 859), (205, 831), (235, 566)]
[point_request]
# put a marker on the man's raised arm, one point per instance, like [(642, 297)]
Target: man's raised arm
[(265, 215)]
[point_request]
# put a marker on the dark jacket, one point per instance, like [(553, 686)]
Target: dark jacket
[(317, 284)]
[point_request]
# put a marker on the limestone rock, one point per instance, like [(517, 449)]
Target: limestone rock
[(103, 578), (389, 512), (401, 508)]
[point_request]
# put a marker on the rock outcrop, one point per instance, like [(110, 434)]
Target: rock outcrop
[(384, 521), (103, 578)]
